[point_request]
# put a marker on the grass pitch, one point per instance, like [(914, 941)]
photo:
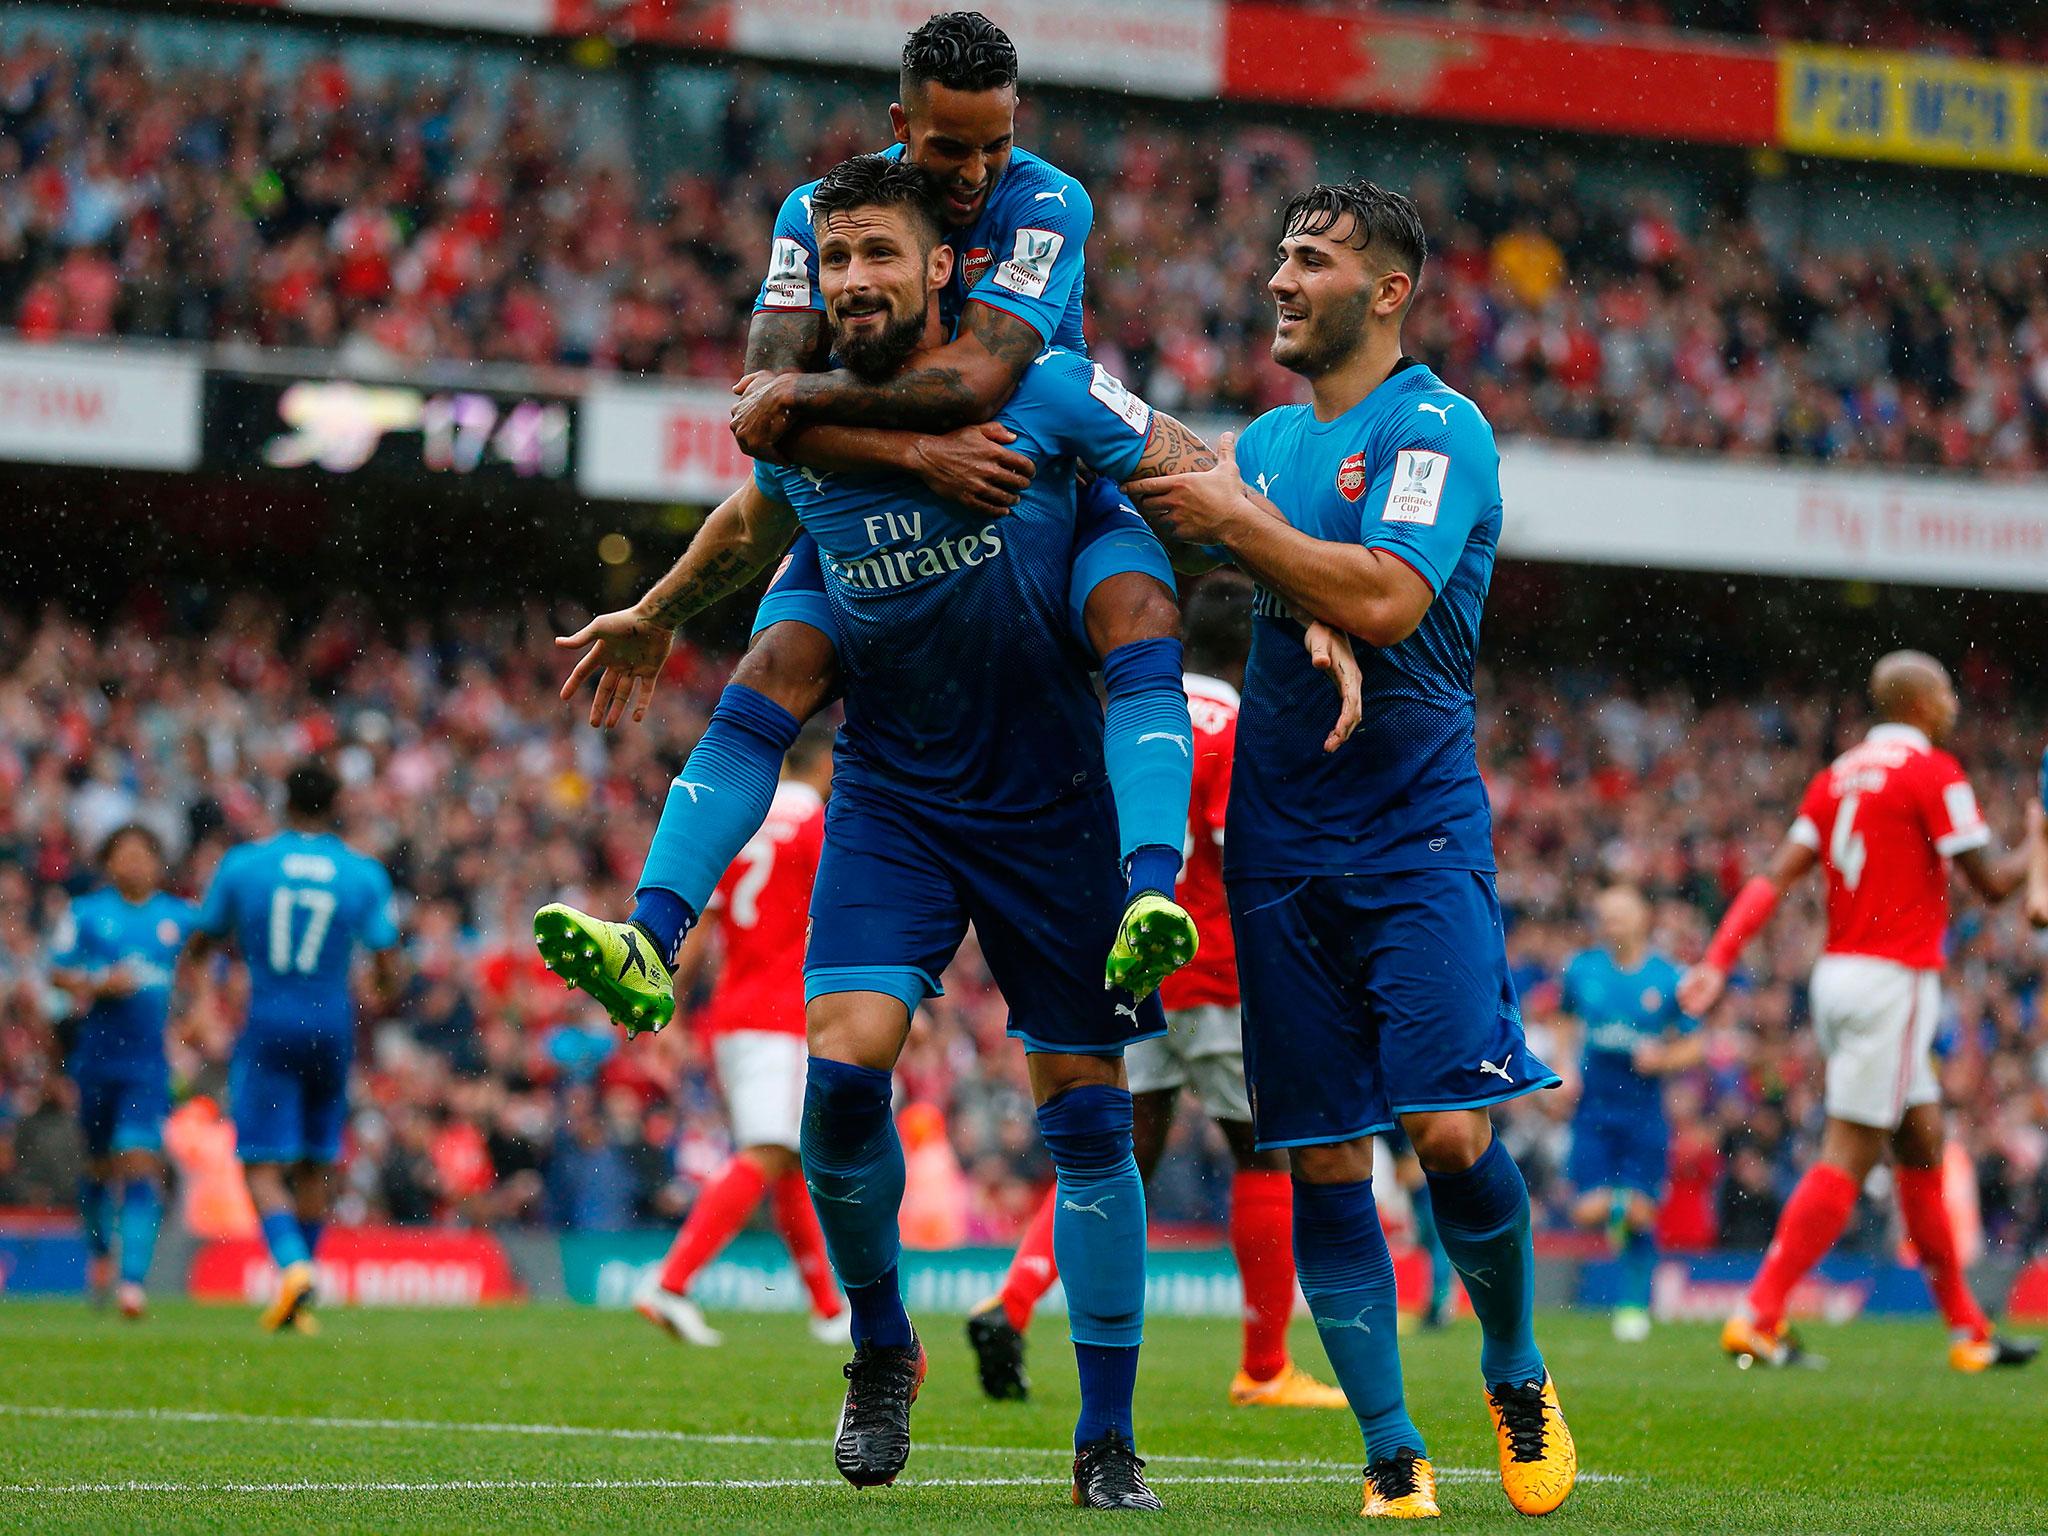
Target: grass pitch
[(550, 1419)]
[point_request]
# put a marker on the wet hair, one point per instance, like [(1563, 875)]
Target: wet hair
[(869, 181), (310, 790), (1218, 621), (1381, 220), (961, 50), (129, 829)]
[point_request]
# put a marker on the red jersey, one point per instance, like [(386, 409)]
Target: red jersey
[(1211, 977), (1885, 817), (762, 906)]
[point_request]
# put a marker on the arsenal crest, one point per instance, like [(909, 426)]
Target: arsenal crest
[(1351, 476), (975, 264)]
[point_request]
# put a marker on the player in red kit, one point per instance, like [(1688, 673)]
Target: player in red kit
[(755, 1024), (1204, 1051), (1885, 820)]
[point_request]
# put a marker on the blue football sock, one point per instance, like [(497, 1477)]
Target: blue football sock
[(309, 1233), (664, 917), (282, 1236), (717, 802), (1482, 1215), (96, 1214), (1149, 747), (853, 1164), (1347, 1274), (1098, 1240), (1430, 1243), (142, 1212), (1638, 1269)]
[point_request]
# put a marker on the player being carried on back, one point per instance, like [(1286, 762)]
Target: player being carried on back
[(754, 1023), (1885, 820), (970, 787), (1017, 227), (1203, 1050)]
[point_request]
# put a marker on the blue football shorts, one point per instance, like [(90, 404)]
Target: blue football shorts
[(901, 878), (1367, 997), (288, 1090), (122, 1109)]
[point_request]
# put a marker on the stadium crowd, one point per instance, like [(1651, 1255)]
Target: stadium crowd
[(319, 206), (493, 1095)]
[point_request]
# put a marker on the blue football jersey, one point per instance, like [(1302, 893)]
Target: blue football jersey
[(1411, 469), (1024, 255), (105, 930), (1621, 1011), (965, 681), (298, 906)]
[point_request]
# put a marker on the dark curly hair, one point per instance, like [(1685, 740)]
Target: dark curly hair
[(1380, 220), (961, 50), (867, 181)]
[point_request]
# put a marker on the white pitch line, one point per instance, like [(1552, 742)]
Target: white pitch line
[(674, 1437), (601, 1484)]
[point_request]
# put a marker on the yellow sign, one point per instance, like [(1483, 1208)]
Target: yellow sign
[(1867, 105)]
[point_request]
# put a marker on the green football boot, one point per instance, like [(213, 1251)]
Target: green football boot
[(614, 962), (1155, 939)]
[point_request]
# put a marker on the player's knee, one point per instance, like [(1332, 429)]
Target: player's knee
[(1338, 1162), (1449, 1142), (793, 665), (1130, 607)]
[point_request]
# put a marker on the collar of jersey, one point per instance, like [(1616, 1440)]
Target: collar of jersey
[(1891, 730), (1401, 366)]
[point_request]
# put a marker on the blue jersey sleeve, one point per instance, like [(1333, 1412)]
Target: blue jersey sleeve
[(216, 913), (792, 280), (1676, 1019), (73, 944), (379, 928), (1432, 485), (773, 481), (1078, 407), (1571, 999), (1037, 274)]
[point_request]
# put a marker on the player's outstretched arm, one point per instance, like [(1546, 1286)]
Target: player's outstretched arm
[(1363, 592), (626, 649), (1994, 878), (1703, 985)]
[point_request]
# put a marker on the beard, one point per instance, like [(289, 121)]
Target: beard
[(1327, 339), (874, 355)]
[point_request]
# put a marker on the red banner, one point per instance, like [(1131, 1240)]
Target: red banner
[(1535, 77), (370, 1267)]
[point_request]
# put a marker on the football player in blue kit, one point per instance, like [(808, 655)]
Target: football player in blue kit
[(1361, 882), (1625, 997), (1018, 227), (297, 907), (115, 956), (970, 788)]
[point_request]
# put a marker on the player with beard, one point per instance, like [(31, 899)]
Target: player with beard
[(970, 787), (1018, 227), (1370, 943)]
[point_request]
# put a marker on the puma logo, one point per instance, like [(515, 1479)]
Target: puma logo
[(848, 1199), (1127, 1011), (1500, 1071), (1443, 411), (1059, 197), (1332, 1325), (691, 788), (1186, 750), (1092, 1208)]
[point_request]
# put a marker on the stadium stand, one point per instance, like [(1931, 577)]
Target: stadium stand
[(493, 1096), (258, 201)]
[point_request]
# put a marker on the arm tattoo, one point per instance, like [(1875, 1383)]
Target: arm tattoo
[(785, 341), (723, 574), (939, 396), (1171, 449)]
